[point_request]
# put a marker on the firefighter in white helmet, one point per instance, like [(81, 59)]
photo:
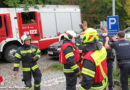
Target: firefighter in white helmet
[(69, 55), (28, 54)]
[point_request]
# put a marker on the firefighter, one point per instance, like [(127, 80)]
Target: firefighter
[(82, 47), (94, 70), (68, 57), (29, 55)]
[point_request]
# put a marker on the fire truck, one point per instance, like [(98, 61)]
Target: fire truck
[(43, 25)]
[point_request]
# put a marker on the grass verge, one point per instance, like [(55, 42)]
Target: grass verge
[(116, 78), (57, 65)]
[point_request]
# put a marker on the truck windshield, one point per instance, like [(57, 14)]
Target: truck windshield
[(28, 18)]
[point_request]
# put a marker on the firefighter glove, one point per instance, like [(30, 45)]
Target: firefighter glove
[(35, 58)]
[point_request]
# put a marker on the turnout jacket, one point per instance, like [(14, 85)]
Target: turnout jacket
[(94, 70), (26, 54), (70, 67)]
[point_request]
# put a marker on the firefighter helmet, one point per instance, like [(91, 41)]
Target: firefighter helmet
[(61, 37), (88, 29), (69, 35), (25, 37), (90, 35)]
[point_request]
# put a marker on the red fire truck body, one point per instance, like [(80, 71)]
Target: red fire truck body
[(43, 25)]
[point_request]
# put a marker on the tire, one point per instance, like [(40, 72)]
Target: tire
[(9, 53)]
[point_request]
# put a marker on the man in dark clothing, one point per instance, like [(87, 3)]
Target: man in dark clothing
[(110, 56), (122, 48), (68, 57), (28, 54)]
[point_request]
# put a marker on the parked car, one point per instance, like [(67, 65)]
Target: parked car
[(54, 49), (127, 33)]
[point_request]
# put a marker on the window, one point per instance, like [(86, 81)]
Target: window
[(6, 26), (28, 18), (0, 22)]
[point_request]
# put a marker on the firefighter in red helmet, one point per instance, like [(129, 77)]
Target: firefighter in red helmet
[(28, 54), (69, 55), (94, 70)]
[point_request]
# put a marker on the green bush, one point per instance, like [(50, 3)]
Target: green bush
[(57, 65)]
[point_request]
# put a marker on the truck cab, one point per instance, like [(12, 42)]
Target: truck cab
[(29, 23)]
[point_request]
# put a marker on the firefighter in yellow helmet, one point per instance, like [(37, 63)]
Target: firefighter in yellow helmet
[(82, 45), (28, 54), (94, 70)]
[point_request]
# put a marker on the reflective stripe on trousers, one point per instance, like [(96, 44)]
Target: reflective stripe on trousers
[(16, 64), (37, 85), (68, 70), (29, 88), (29, 69)]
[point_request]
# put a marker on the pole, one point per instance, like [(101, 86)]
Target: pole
[(113, 7), (113, 13)]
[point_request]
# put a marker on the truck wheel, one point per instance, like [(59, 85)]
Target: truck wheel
[(9, 53)]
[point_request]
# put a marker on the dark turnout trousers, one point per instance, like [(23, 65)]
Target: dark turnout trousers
[(27, 77), (124, 73), (71, 81)]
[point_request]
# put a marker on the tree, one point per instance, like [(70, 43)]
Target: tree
[(27, 3), (120, 11), (127, 9), (93, 11)]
